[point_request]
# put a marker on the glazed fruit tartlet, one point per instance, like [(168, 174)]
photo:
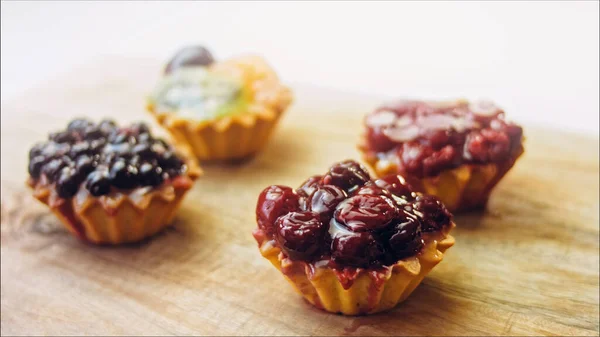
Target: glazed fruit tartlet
[(222, 110), (349, 244), (457, 151), (110, 184)]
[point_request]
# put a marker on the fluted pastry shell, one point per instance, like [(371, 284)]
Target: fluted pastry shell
[(464, 188), (121, 216), (242, 133), (371, 291)]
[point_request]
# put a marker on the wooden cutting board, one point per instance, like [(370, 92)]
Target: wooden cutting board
[(526, 266)]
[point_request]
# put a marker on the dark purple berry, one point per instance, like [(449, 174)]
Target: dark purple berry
[(123, 175), (80, 148), (63, 137), (98, 183), (189, 56), (169, 160), (36, 150), (67, 183), (84, 165), (78, 124), (92, 132), (107, 125), (35, 166), (52, 168), (143, 150), (150, 175)]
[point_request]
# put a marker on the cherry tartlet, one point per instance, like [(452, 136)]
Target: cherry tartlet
[(222, 110), (457, 151), (110, 184), (349, 244)]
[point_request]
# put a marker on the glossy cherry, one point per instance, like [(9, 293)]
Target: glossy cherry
[(300, 235), (362, 213), (347, 175), (273, 202), (434, 215), (356, 250), (324, 200)]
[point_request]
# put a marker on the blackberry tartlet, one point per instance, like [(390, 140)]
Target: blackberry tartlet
[(349, 244), (457, 151), (110, 184), (222, 110)]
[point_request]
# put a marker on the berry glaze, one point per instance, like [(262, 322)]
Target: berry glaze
[(425, 138), (102, 161), (349, 223)]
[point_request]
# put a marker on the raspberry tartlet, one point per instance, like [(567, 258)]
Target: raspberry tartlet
[(349, 244), (457, 151), (222, 110), (110, 184)]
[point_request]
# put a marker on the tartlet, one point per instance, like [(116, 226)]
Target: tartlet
[(110, 185), (222, 110), (457, 151), (349, 244)]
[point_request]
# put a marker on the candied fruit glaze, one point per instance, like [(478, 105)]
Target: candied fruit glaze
[(346, 222), (422, 139)]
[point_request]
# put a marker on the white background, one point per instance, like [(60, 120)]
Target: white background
[(538, 60)]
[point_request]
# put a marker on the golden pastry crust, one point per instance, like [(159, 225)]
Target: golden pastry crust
[(464, 188), (371, 291), (463, 172), (119, 217), (240, 134)]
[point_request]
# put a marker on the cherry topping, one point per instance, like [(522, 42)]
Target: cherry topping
[(356, 250), (347, 174), (370, 188), (363, 213), (427, 138), (300, 235), (273, 202), (190, 56), (405, 236), (324, 200), (395, 184), (310, 185), (355, 223), (487, 146), (434, 215)]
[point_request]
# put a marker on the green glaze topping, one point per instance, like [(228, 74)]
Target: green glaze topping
[(195, 93)]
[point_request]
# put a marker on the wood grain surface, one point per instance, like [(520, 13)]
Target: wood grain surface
[(526, 266)]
